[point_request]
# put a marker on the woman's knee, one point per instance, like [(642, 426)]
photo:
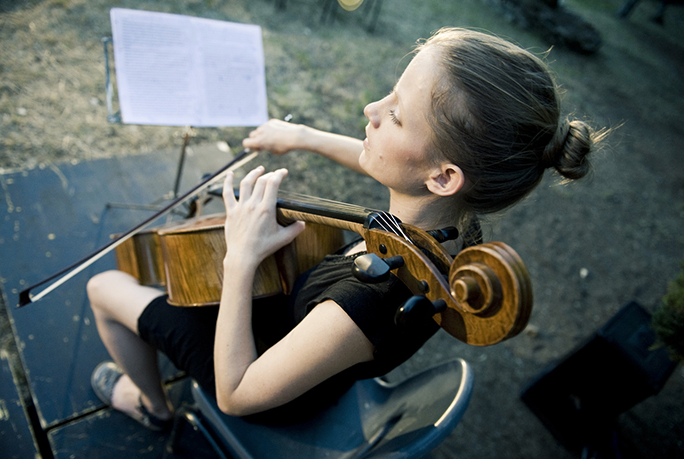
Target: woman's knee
[(119, 297), (102, 288)]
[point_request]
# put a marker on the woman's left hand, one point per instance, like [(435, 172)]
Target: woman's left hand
[(251, 230)]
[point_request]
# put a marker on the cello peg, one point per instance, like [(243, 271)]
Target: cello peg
[(416, 309), (449, 233), (372, 269)]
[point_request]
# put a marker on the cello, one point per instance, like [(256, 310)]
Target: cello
[(481, 297)]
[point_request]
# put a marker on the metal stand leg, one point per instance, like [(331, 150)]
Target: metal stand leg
[(171, 195), (181, 161), (187, 415)]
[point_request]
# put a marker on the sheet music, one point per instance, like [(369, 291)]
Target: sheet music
[(176, 70)]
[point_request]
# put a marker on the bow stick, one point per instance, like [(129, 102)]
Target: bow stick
[(25, 297)]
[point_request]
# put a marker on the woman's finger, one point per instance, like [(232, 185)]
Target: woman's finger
[(248, 182), (228, 193), (271, 191), (252, 141), (259, 186)]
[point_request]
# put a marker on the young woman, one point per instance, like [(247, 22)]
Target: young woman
[(469, 129)]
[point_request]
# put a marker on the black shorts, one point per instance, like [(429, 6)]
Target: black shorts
[(186, 335)]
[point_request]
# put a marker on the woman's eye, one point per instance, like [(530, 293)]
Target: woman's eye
[(394, 118)]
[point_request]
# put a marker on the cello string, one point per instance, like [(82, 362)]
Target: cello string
[(397, 224), (392, 225), (330, 204), (387, 221), (346, 211)]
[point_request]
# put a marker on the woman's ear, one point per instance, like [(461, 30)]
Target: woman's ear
[(446, 180)]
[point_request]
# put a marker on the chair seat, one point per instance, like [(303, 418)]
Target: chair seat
[(373, 419)]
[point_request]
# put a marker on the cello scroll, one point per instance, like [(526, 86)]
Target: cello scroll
[(487, 289)]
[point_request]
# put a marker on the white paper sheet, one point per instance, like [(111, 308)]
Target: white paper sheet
[(178, 70)]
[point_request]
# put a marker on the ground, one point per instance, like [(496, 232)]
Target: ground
[(590, 246)]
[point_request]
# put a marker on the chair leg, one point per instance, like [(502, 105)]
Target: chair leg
[(179, 422), (187, 415)]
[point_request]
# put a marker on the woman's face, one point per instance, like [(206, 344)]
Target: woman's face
[(397, 134)]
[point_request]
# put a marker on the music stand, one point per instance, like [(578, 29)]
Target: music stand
[(115, 118), (176, 70)]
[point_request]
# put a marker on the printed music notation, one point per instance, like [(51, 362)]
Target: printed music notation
[(180, 70)]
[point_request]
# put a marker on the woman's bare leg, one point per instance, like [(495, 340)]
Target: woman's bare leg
[(117, 300)]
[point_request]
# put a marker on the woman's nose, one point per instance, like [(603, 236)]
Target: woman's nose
[(372, 113)]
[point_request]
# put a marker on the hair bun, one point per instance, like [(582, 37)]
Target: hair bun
[(567, 150)]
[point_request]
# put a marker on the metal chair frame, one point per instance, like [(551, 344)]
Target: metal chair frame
[(373, 419)]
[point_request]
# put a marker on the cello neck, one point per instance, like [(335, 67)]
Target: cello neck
[(294, 206), (286, 216)]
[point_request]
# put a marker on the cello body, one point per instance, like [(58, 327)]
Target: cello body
[(186, 258), (140, 256)]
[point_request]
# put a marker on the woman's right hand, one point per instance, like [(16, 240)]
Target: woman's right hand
[(276, 136), (280, 137)]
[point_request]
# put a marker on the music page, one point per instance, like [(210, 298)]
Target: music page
[(179, 70)]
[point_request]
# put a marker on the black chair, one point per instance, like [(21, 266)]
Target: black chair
[(373, 419)]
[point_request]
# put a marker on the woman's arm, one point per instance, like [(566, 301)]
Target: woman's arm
[(280, 137), (326, 342)]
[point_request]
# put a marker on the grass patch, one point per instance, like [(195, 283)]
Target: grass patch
[(52, 102)]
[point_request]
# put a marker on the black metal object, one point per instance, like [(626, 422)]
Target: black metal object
[(579, 398), (188, 415), (449, 233)]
